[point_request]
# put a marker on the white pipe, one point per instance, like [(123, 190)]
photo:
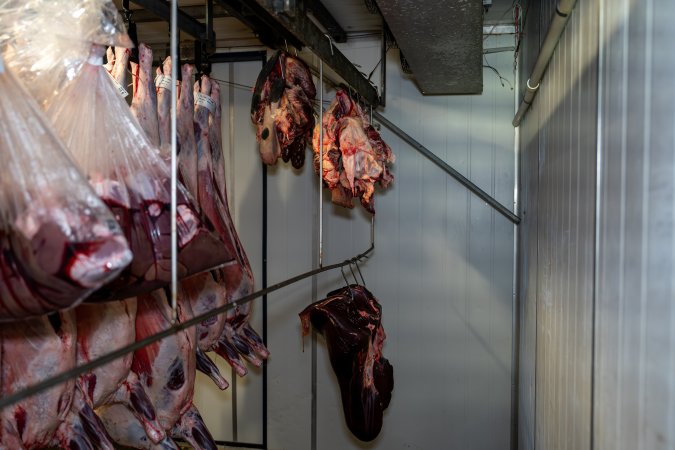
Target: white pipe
[(562, 14)]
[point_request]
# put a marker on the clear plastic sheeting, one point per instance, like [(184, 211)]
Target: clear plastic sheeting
[(58, 241), (46, 42), (127, 172)]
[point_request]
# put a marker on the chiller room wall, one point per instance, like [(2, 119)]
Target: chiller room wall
[(597, 309), (443, 270)]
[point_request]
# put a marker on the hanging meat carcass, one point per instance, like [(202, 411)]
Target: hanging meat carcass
[(238, 338), (102, 328), (351, 321), (131, 177), (282, 109), (166, 370), (354, 155), (32, 351), (144, 102), (58, 241)]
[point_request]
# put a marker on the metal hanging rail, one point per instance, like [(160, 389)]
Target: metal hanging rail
[(503, 210), (105, 359)]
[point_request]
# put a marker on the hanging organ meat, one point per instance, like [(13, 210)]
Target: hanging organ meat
[(282, 109), (354, 155), (350, 320)]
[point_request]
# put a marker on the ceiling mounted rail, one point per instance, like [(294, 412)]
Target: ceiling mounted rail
[(503, 210), (290, 26), (326, 19), (196, 12), (186, 23)]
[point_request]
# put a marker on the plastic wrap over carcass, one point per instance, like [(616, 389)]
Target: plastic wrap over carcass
[(127, 172), (46, 42), (58, 241)]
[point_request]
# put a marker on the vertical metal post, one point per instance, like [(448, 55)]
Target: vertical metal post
[(515, 304), (319, 254), (320, 163), (372, 216), (174, 167)]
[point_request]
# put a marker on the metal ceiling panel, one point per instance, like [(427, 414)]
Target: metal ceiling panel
[(442, 42)]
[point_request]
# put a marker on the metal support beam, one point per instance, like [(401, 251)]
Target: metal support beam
[(196, 12), (299, 31), (325, 18), (262, 22), (503, 210), (186, 23)]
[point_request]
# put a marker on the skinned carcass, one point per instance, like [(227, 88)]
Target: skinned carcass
[(166, 370), (32, 351), (237, 338), (282, 109), (144, 102), (355, 157), (351, 321), (101, 328)]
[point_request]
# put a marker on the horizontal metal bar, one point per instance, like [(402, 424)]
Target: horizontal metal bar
[(279, 30), (325, 49), (325, 18), (232, 57), (499, 49), (503, 210), (105, 359), (499, 29), (186, 23), (261, 22), (196, 12), (241, 444)]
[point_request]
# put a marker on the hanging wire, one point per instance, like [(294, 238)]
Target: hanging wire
[(174, 167)]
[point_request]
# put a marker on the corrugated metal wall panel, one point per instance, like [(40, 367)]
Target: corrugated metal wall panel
[(627, 286), (442, 269), (557, 235), (635, 347)]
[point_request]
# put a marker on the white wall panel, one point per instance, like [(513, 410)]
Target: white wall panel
[(442, 270)]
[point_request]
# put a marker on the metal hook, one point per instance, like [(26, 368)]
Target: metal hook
[(330, 41), (358, 269), (353, 274), (342, 271)]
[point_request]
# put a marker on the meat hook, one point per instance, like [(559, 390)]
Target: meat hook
[(342, 271), (358, 269), (352, 271)]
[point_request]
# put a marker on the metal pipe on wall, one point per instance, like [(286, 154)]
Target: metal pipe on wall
[(562, 14)]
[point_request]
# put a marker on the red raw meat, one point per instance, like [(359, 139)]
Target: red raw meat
[(58, 242), (129, 174), (282, 109), (350, 320), (354, 155)]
